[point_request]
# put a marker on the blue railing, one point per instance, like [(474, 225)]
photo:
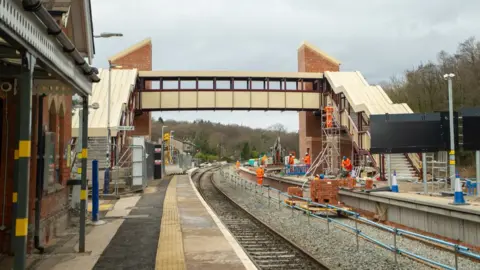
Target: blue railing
[(456, 249)]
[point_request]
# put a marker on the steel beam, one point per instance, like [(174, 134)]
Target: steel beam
[(83, 187), (24, 147), (22, 29)]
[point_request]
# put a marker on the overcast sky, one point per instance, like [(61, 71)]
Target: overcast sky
[(376, 37)]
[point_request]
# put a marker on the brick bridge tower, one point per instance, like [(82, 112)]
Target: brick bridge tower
[(138, 56), (312, 59)]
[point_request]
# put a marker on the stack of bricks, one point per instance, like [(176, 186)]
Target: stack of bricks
[(326, 191), (369, 184), (351, 183), (295, 191)]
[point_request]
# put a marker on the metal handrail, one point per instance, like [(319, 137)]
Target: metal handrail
[(457, 249)]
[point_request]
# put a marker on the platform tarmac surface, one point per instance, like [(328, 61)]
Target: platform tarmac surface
[(134, 246), (170, 228)]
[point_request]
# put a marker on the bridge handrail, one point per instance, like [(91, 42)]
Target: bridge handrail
[(234, 180)]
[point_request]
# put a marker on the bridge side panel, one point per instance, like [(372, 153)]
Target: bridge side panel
[(206, 100), (224, 99), (188, 99), (169, 100), (150, 100), (243, 100), (259, 99)]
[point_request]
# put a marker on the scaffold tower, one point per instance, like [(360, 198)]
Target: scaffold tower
[(331, 135)]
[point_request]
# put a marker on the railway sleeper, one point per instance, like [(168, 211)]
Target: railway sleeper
[(270, 252), (276, 257), (258, 248)]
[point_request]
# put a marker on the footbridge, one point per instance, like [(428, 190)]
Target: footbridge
[(137, 91), (354, 98), (229, 90)]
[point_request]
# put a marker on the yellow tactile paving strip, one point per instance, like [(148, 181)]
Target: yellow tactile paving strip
[(170, 255)]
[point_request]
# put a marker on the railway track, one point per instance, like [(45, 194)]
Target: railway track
[(266, 248)]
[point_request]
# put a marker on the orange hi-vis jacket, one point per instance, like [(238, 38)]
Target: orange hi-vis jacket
[(329, 114), (306, 159), (347, 165), (291, 160), (260, 172)]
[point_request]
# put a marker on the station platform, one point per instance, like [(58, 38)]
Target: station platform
[(192, 236), (169, 226)]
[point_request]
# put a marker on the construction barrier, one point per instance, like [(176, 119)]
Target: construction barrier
[(296, 169), (288, 199)]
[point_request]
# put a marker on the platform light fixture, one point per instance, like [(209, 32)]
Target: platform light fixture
[(108, 35)]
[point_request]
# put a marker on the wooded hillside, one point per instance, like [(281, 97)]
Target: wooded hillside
[(424, 89), (228, 141)]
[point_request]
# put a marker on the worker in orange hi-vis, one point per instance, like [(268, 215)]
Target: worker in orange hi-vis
[(237, 165), (329, 116), (307, 160), (346, 166), (260, 174), (264, 159), (290, 162)]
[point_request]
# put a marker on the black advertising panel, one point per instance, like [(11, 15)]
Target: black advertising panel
[(407, 133), (471, 128)]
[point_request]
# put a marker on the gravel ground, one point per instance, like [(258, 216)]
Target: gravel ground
[(337, 249)]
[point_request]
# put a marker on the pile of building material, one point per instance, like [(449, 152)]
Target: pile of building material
[(326, 191)]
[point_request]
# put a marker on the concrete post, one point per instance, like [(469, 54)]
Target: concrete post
[(424, 171), (389, 170), (24, 147)]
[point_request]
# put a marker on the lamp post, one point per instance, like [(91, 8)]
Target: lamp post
[(81, 144), (77, 106), (163, 151), (449, 77), (110, 66)]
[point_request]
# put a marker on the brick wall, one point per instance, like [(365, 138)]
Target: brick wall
[(310, 60), (54, 212), (140, 58)]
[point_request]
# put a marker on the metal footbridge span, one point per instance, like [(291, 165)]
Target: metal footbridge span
[(229, 90)]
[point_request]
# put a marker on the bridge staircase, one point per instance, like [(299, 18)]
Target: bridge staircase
[(352, 91), (97, 151)]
